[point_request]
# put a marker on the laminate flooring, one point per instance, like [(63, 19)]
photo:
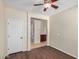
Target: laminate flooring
[(45, 52)]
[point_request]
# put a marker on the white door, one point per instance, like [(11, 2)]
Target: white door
[(15, 35), (37, 31)]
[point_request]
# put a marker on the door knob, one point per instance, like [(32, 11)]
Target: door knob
[(21, 37)]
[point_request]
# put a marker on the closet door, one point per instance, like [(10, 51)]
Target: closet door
[(37, 31), (15, 35)]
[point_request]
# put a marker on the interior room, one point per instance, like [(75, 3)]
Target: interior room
[(38, 29)]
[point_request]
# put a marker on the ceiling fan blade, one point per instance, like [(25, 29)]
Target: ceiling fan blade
[(45, 9), (54, 6), (53, 1), (37, 4)]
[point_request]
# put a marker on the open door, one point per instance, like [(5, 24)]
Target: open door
[(38, 33)]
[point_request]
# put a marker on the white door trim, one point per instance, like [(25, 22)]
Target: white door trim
[(38, 16)]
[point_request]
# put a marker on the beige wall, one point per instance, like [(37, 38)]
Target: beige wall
[(63, 31), (2, 32)]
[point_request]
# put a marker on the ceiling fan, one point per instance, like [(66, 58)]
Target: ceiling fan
[(47, 4)]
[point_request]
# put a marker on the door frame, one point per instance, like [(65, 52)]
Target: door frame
[(37, 16), (33, 19)]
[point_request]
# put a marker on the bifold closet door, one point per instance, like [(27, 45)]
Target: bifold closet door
[(37, 31), (15, 31)]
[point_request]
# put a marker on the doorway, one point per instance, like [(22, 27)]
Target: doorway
[(38, 33)]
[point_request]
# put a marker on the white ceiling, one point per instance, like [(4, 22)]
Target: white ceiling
[(28, 5)]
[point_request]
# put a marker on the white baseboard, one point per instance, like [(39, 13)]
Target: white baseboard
[(64, 52)]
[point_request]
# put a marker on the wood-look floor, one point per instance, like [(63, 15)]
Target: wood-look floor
[(45, 52)]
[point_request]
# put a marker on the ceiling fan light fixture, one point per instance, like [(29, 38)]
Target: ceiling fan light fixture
[(47, 5)]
